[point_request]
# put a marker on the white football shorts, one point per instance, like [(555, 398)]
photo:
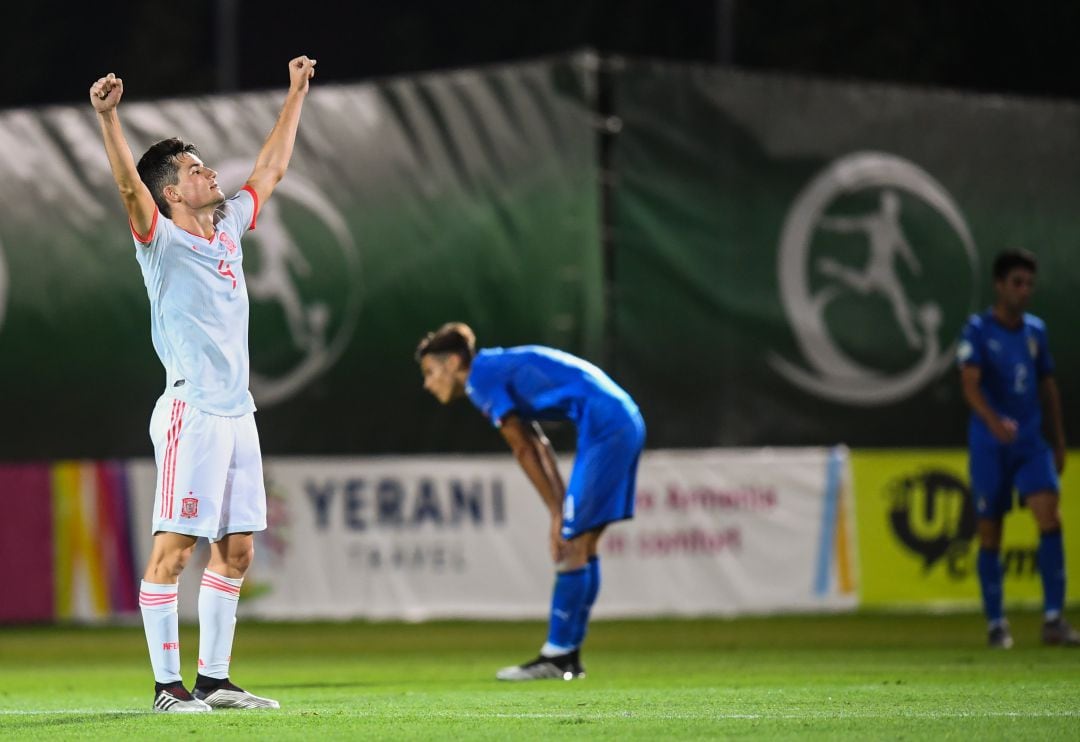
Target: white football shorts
[(209, 472)]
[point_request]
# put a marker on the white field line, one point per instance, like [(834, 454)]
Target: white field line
[(48, 712), (818, 715), (621, 715)]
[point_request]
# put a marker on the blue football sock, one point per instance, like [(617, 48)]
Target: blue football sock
[(581, 625), (989, 565), (567, 601), (1052, 569)]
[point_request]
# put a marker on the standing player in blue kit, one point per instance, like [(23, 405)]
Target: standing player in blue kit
[(1007, 377), (514, 388)]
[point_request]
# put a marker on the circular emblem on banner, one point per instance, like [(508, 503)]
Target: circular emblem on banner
[(302, 270), (863, 281)]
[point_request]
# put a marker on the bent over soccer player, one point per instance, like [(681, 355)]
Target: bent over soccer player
[(514, 387), (1007, 377), (209, 480)]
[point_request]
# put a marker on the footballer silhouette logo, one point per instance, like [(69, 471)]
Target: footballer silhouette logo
[(302, 270), (931, 514), (865, 253)]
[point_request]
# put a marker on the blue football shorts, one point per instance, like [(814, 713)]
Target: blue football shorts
[(997, 470), (604, 480)]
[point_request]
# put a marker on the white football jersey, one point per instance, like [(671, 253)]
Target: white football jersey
[(199, 307)]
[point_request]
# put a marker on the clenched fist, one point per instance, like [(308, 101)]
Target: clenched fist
[(301, 70), (106, 92)]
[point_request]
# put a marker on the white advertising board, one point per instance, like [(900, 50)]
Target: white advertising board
[(716, 532)]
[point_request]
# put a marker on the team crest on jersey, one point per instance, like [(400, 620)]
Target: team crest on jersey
[(227, 241), (189, 507), (1033, 347), (964, 351)]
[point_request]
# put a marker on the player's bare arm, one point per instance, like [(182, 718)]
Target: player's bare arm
[(105, 96), (551, 465), (559, 546), (533, 452), (273, 159), (1051, 401), (536, 461), (1001, 428)]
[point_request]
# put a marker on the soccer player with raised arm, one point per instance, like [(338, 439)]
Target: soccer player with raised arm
[(514, 388), (209, 479), (1007, 377)]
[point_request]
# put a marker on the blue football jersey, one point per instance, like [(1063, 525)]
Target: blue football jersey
[(1012, 362), (540, 383)]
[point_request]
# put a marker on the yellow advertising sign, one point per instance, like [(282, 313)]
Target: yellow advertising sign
[(917, 532)]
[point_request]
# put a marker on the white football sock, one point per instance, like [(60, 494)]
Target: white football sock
[(218, 597), (158, 604)]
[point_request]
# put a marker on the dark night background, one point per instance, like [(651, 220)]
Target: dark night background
[(53, 50)]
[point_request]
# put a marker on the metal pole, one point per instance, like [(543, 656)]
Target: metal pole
[(608, 125), (227, 42), (725, 31)]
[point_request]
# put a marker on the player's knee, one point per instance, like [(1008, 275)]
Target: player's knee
[(570, 565), (571, 560), (167, 564), (239, 560), (575, 556), (1050, 522), (989, 533), (1046, 511), (242, 562), (1050, 518)]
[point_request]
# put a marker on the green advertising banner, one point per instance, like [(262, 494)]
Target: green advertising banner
[(409, 202), (795, 259), (785, 262)]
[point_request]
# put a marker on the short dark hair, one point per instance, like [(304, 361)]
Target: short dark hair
[(453, 337), (158, 168), (1009, 260)]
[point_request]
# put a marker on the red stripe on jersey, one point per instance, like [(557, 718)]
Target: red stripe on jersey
[(255, 198), (168, 480), (167, 459), (176, 450), (149, 235)]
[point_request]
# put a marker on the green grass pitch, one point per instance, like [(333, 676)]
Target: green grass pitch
[(861, 676)]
